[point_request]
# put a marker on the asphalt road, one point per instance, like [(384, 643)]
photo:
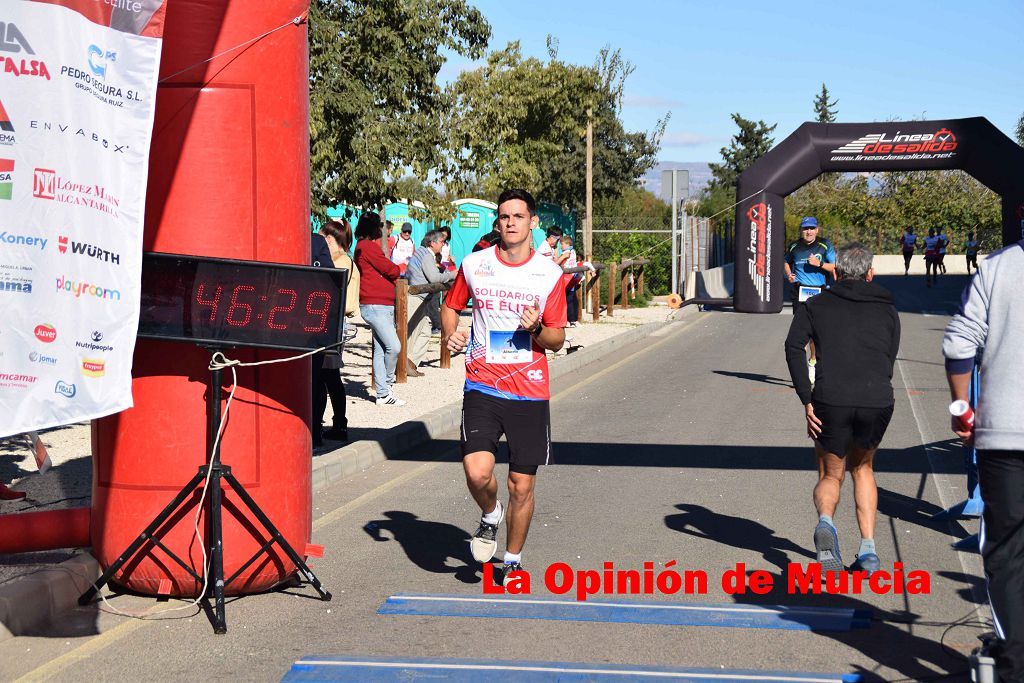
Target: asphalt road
[(690, 449)]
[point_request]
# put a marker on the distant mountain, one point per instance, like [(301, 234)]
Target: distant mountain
[(700, 175)]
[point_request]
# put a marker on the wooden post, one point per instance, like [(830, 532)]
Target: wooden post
[(588, 225), (624, 285), (612, 275), (594, 289), (446, 355), (640, 282), (579, 302), (402, 328)]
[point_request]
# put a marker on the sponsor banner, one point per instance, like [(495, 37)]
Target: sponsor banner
[(874, 147), (756, 257), (77, 97)]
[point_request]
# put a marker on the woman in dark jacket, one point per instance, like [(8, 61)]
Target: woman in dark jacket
[(377, 276)]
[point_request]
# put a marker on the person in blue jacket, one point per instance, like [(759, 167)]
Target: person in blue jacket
[(810, 265)]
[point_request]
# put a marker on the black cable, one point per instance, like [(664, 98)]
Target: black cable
[(964, 621)]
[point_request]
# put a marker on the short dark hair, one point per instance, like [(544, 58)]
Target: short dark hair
[(488, 240), (509, 195), (554, 231), (369, 227)]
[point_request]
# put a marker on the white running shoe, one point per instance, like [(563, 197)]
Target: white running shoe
[(484, 543), (390, 400)]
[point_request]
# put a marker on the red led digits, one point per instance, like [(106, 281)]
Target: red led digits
[(235, 305), (322, 312), (282, 309), (213, 303)]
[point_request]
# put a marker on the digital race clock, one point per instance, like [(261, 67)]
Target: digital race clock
[(229, 303)]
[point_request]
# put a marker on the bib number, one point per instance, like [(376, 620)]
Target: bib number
[(805, 293), (505, 347)]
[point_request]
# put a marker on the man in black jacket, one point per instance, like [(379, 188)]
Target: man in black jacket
[(857, 332)]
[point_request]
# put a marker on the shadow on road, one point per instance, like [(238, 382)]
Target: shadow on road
[(754, 377), (428, 544), (889, 641), (737, 532)]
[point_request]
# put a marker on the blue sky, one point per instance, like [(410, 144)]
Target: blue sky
[(767, 60)]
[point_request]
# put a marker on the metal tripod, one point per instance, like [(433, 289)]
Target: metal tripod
[(216, 472)]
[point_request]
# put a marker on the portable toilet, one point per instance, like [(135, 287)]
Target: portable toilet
[(551, 214), (399, 212), (475, 218)]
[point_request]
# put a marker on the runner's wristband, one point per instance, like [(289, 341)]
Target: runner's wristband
[(536, 331)]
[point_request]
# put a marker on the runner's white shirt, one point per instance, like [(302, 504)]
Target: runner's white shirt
[(502, 358)]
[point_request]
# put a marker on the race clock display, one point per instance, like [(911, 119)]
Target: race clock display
[(231, 303)]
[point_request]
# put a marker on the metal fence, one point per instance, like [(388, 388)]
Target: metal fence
[(627, 237), (702, 244)]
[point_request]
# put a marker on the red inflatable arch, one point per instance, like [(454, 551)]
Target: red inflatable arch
[(229, 177)]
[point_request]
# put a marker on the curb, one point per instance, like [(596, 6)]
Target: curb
[(30, 602), (334, 465)]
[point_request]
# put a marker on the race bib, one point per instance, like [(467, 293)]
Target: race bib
[(509, 346), (805, 293)]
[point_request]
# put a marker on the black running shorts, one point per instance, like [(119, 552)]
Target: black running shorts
[(525, 424), (843, 426)]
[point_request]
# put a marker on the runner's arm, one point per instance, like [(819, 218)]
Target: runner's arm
[(455, 301), (799, 334), (550, 338), (828, 263)]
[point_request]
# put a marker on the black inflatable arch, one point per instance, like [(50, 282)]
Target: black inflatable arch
[(973, 145)]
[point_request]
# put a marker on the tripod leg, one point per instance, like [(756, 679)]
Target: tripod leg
[(217, 553), (300, 564), (142, 538)]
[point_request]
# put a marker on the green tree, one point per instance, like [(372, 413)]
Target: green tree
[(1020, 130), (876, 212), (746, 147), (636, 209), (521, 122), (824, 108), (375, 109)]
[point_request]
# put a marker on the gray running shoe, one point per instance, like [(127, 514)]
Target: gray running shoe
[(826, 544)]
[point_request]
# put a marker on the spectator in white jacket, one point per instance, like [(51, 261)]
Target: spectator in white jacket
[(991, 318)]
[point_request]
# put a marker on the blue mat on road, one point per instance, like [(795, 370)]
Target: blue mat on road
[(631, 612), (379, 669)]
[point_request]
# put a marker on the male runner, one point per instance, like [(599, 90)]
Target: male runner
[(908, 242), (849, 409), (809, 263), (943, 244), (931, 257), (518, 314), (971, 250)]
